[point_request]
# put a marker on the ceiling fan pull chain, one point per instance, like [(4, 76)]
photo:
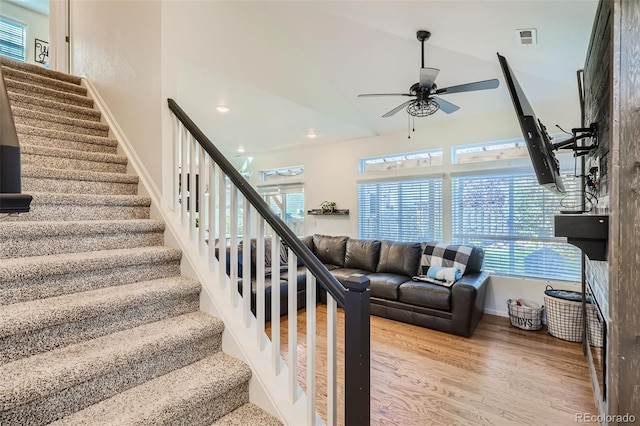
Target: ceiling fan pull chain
[(408, 127)]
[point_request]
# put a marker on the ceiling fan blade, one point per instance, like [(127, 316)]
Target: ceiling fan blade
[(369, 95), (398, 108), (445, 106), (478, 85), (428, 77)]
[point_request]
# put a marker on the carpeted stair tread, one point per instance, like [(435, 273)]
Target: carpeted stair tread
[(45, 120), (45, 179), (14, 86), (54, 107), (28, 133), (38, 314), (44, 374), (97, 157), (42, 238), (43, 81), (36, 69), (248, 414), (24, 268), (32, 171), (57, 158), (173, 398), (73, 207), (90, 199), (38, 326)]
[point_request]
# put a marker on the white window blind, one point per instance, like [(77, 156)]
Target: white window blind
[(511, 217), (405, 210), (12, 40)]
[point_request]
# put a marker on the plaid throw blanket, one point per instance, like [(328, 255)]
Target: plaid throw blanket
[(447, 255)]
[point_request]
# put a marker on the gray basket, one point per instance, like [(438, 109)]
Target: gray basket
[(525, 317)]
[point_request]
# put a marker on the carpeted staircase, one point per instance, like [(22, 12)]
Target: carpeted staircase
[(96, 324)]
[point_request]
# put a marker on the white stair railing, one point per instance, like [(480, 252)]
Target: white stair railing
[(222, 214)]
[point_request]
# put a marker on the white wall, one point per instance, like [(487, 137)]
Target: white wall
[(37, 25), (117, 45)]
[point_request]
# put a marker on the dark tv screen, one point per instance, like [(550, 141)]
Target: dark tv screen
[(545, 163)]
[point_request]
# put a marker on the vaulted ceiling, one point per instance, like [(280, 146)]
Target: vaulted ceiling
[(288, 68)]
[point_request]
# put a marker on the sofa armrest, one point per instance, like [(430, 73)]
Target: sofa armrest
[(467, 302)]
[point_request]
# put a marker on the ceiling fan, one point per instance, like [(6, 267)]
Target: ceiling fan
[(425, 102)]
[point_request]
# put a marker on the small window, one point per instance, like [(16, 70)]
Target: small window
[(489, 151), (406, 160), (12, 40), (282, 173)]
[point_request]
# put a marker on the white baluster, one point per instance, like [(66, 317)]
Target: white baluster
[(184, 167), (233, 243), (260, 285), (211, 179), (192, 190), (222, 227), (293, 327), (246, 263), (201, 201), (275, 302), (311, 348), (332, 390)]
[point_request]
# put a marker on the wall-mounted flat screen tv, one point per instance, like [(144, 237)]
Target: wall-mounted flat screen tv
[(539, 145)]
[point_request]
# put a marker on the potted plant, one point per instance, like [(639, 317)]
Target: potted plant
[(328, 206)]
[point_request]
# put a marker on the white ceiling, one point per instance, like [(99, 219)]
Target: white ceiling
[(285, 68)]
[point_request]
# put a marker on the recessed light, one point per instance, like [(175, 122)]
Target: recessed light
[(223, 109), (240, 150), (311, 135)]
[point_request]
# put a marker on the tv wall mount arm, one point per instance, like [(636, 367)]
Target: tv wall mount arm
[(580, 133)]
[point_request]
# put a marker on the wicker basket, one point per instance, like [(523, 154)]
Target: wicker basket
[(564, 317), (525, 315)]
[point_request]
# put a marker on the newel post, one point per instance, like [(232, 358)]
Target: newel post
[(357, 351)]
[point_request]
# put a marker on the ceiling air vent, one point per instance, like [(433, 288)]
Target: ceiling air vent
[(527, 36)]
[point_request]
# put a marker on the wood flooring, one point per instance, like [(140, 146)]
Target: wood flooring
[(500, 376)]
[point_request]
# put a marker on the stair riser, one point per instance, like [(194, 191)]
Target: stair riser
[(47, 409), (59, 244), (101, 212), (23, 345), (71, 163), (66, 144), (204, 413), (19, 88), (45, 82), (57, 285), (77, 186), (55, 108), (50, 125)]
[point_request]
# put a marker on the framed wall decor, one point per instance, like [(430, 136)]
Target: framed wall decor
[(41, 52)]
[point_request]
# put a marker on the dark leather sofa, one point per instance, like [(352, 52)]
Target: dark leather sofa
[(390, 267)]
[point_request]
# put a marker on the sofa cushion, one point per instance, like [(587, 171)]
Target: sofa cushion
[(330, 250), (362, 254), (385, 286), (425, 294), (399, 258), (449, 255)]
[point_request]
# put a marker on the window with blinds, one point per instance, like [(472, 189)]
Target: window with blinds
[(400, 210), (12, 40), (511, 217)]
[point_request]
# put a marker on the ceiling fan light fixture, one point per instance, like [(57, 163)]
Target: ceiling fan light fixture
[(422, 108)]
